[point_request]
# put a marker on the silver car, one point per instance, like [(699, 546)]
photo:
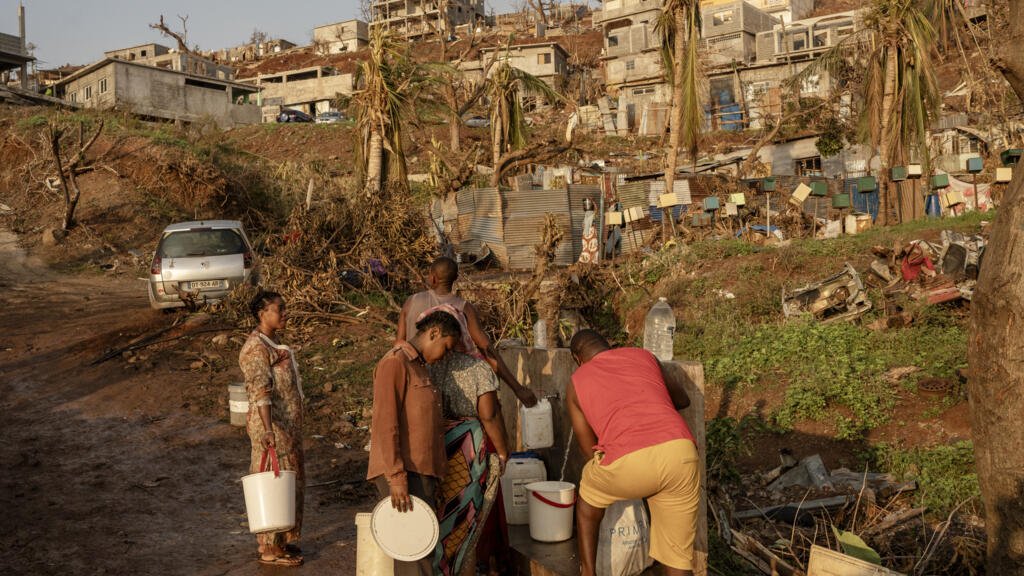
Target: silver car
[(197, 262)]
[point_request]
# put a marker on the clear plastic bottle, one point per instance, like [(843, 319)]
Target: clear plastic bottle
[(659, 330), (540, 334)]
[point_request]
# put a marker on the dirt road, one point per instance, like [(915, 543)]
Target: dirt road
[(111, 469)]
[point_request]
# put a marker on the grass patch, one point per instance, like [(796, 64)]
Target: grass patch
[(945, 474)]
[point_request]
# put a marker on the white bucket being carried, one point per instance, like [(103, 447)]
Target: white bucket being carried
[(370, 559), (270, 497), (551, 508)]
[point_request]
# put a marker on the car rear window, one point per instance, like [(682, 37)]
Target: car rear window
[(201, 243)]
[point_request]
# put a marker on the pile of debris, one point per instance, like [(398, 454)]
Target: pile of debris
[(921, 271), (817, 521)]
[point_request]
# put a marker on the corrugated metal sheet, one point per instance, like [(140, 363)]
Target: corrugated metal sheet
[(464, 200), (522, 233), (488, 202), (633, 194)]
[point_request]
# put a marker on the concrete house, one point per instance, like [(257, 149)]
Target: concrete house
[(249, 52), (632, 63), (784, 11), (546, 60), (160, 93), (13, 52), (159, 56), (308, 89), (729, 32), (417, 19), (347, 36), (806, 39)]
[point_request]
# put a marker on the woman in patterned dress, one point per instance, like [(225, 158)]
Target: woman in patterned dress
[(477, 448), (274, 388)]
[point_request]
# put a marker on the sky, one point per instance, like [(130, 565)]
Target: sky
[(80, 31)]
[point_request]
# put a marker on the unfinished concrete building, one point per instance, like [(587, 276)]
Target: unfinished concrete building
[(159, 56), (418, 19), (160, 93), (548, 61), (249, 52), (785, 11), (311, 90), (729, 32), (632, 61), (14, 52), (806, 39), (347, 36)]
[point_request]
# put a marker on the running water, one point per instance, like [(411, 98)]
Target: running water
[(565, 458)]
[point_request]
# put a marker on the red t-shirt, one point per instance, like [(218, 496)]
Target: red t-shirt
[(624, 398)]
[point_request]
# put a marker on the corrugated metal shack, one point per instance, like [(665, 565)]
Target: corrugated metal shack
[(510, 222)]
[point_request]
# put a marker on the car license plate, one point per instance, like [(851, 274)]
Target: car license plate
[(200, 284)]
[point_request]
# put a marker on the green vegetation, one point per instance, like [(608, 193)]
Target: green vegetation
[(945, 474), (832, 373)]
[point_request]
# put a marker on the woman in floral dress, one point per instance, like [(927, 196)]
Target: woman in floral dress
[(274, 389)]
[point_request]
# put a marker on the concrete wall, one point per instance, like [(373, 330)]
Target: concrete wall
[(807, 38), (155, 92), (141, 52), (782, 158), (421, 18), (739, 16)]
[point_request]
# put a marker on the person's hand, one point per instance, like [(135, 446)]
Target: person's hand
[(527, 397), (400, 498), (267, 440)]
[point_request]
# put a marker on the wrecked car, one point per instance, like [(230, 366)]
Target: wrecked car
[(838, 297)]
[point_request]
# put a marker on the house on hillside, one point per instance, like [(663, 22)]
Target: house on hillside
[(14, 53), (633, 70), (806, 39), (311, 90), (161, 93), (347, 36), (159, 56), (785, 11), (548, 61), (418, 19), (249, 52), (729, 32)]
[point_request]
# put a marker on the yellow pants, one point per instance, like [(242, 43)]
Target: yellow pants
[(668, 476)]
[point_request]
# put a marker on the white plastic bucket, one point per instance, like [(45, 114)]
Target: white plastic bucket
[(518, 473), (370, 559), (270, 499), (551, 508), (537, 426)]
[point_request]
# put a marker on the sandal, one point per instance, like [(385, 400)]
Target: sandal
[(283, 560), (292, 550)]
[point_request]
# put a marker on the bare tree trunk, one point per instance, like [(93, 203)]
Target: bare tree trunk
[(888, 136), (676, 120), (374, 163), (995, 349)]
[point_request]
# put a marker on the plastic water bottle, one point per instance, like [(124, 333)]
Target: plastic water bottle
[(540, 334), (659, 330)]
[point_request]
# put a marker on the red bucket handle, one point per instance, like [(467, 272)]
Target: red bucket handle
[(555, 504), (274, 465)]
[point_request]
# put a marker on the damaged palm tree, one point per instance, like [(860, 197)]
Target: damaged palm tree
[(388, 82), (67, 172), (679, 28), (504, 88), (899, 90)]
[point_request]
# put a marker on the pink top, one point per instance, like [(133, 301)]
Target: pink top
[(624, 398)]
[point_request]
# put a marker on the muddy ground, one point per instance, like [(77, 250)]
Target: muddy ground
[(112, 468)]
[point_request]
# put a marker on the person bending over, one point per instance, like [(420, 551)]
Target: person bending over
[(624, 414)]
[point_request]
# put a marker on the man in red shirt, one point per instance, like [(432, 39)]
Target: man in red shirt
[(624, 414)]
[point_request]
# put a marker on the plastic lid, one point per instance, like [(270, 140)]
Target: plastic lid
[(405, 536)]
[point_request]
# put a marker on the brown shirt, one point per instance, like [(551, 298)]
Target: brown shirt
[(407, 432)]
